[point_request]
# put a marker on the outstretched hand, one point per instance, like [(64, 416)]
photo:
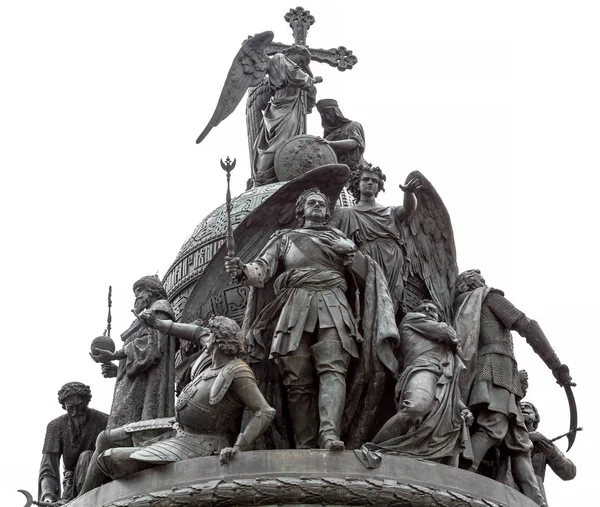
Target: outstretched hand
[(317, 79), (101, 355), (411, 186)]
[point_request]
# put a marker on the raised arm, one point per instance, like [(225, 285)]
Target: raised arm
[(410, 201)]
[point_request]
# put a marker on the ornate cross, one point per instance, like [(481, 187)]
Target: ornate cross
[(300, 21)]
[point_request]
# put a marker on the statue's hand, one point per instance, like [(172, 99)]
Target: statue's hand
[(234, 266), (535, 436), (228, 453), (149, 318), (109, 370), (320, 140), (317, 79), (547, 447), (467, 416), (411, 186), (563, 376), (101, 356)]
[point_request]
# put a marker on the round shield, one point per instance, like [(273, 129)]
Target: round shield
[(301, 154)]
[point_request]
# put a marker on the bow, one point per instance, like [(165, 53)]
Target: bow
[(573, 411)]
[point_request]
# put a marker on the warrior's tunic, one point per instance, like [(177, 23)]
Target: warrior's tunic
[(65, 439), (311, 291)]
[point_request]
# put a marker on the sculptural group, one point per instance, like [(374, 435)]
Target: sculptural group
[(359, 333)]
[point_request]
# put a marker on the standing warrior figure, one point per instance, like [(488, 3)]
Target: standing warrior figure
[(484, 319), (346, 137), (432, 420), (316, 332), (72, 436), (376, 229)]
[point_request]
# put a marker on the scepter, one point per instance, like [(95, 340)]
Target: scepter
[(109, 317), (105, 342), (228, 166)]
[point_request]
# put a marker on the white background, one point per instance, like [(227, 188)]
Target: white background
[(497, 103)]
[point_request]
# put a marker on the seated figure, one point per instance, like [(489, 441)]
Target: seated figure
[(207, 411)]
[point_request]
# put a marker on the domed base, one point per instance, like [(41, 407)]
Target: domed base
[(300, 478)]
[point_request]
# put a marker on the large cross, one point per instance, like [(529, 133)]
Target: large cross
[(300, 20)]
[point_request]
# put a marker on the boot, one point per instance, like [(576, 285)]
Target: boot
[(298, 377), (481, 443), (331, 363), (525, 478)]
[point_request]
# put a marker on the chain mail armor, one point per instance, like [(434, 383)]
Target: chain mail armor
[(496, 361)]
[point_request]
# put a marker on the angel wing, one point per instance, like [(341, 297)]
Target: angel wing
[(247, 69), (430, 249), (258, 98)]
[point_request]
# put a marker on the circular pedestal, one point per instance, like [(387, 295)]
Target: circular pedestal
[(300, 478)]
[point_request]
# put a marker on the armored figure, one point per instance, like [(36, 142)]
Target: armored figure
[(72, 436), (492, 385), (207, 412), (315, 332), (376, 229), (209, 407), (346, 137), (432, 420)]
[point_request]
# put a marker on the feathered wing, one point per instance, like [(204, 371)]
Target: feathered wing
[(430, 248), (258, 98), (247, 69)]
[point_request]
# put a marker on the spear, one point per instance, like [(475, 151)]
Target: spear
[(228, 166)]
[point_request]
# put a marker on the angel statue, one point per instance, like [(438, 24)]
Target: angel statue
[(277, 104), (413, 243)]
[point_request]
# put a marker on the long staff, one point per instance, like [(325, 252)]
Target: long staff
[(228, 166)]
